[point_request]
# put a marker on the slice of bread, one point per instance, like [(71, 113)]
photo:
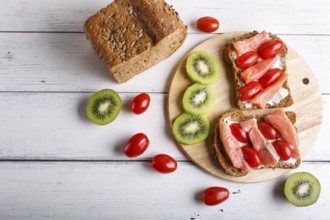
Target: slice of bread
[(229, 56), (130, 36), (221, 154)]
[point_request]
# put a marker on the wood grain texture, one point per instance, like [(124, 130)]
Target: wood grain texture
[(65, 62), (121, 190), (305, 17), (307, 106), (46, 77), (53, 126)]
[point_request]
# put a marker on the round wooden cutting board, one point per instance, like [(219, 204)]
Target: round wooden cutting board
[(304, 89)]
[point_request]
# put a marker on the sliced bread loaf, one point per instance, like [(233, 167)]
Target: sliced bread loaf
[(230, 56), (130, 36), (221, 154)]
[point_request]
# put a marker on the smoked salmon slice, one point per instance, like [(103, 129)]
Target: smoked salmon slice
[(269, 93), (279, 120), (251, 44), (250, 126), (267, 154), (254, 73), (232, 148)]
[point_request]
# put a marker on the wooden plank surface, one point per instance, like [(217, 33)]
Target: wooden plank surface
[(305, 17), (65, 62), (121, 190), (46, 76), (53, 126)]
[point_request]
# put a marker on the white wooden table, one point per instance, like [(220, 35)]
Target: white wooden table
[(55, 164)]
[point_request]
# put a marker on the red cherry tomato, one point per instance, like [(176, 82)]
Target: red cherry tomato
[(248, 59), (249, 90), (136, 145), (238, 132), (283, 149), (270, 48), (270, 77), (140, 103), (207, 24), (251, 156), (267, 131), (164, 163), (215, 195)]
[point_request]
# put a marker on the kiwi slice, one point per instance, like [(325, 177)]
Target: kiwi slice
[(198, 99), (302, 189), (191, 129), (103, 106), (202, 68)]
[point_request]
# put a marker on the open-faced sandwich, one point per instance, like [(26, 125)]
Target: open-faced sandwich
[(244, 143), (257, 61)]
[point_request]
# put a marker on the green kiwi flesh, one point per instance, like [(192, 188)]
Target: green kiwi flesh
[(198, 99), (103, 106), (202, 68), (302, 189), (190, 129)]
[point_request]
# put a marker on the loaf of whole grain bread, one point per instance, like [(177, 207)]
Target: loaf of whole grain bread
[(130, 36), (221, 154), (230, 56)]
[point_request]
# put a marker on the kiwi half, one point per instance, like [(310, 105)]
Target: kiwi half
[(103, 106), (198, 99), (191, 129), (302, 189), (202, 68)]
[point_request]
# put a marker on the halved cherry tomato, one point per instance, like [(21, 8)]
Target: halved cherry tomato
[(267, 131), (238, 132), (140, 103), (270, 48), (283, 149), (251, 156), (215, 195), (164, 163), (136, 145), (270, 77), (249, 90), (207, 24), (248, 59)]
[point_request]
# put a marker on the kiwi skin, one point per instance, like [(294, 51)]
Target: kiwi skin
[(198, 125), (202, 68), (103, 106), (302, 189), (198, 108)]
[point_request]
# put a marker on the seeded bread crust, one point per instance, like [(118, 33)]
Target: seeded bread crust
[(238, 82), (130, 36), (221, 154)]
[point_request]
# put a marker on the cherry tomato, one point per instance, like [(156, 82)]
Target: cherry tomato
[(251, 156), (238, 132), (249, 90), (283, 149), (215, 195), (270, 77), (267, 131), (164, 163), (270, 48), (248, 59), (140, 103), (207, 24), (136, 145)]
